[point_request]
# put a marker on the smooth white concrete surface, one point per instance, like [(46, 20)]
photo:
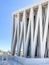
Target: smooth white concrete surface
[(15, 60), (32, 61)]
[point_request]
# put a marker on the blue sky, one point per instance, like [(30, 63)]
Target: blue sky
[(6, 9)]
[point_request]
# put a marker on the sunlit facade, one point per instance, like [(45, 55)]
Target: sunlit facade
[(30, 30)]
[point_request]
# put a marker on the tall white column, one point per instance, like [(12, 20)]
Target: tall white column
[(19, 42), (41, 29), (16, 34), (13, 30), (16, 38), (32, 30), (48, 43), (24, 20), (34, 38), (43, 40), (13, 27), (26, 40), (18, 30)]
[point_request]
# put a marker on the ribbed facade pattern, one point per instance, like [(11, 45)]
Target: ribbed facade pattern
[(30, 31)]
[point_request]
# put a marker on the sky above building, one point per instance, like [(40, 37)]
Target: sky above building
[(7, 7)]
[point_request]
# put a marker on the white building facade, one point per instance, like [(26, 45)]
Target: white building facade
[(30, 30)]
